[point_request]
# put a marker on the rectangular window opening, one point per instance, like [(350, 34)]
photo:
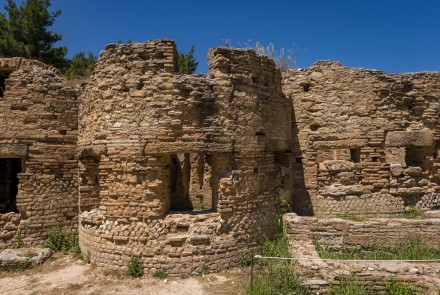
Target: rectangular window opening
[(9, 169), (355, 155), (283, 158), (2, 85), (415, 156), (90, 187), (191, 183), (3, 77)]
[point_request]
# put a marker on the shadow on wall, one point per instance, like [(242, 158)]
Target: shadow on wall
[(301, 201)]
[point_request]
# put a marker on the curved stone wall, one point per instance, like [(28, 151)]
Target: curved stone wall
[(185, 171), (38, 164)]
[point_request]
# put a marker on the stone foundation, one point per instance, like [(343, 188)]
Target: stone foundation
[(336, 232)]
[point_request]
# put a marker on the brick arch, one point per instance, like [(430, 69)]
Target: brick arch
[(11, 64)]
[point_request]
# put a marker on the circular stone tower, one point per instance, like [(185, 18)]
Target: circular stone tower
[(184, 171)]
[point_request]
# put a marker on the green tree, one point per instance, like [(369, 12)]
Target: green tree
[(81, 65), (186, 62), (24, 31)]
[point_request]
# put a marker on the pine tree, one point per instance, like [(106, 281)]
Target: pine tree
[(24, 31), (186, 63), (81, 65)]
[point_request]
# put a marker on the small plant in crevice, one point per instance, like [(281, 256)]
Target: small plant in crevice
[(18, 241), (160, 274), (55, 239), (246, 259), (86, 257), (206, 270), (135, 267), (73, 244), (58, 241)]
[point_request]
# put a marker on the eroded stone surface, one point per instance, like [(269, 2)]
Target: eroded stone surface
[(186, 171), (364, 142), (192, 170), (38, 165), (23, 257), (337, 233)]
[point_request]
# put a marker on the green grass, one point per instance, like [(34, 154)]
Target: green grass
[(58, 241), (160, 274), (348, 287), (351, 287), (413, 250), (135, 267), (278, 276)]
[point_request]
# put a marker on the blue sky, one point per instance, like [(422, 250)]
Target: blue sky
[(390, 35)]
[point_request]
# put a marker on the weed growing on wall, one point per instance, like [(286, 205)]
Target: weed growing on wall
[(18, 241), (160, 274), (283, 58), (135, 267), (58, 241)]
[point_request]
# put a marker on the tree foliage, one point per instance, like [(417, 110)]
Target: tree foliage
[(186, 62), (81, 65), (24, 31)]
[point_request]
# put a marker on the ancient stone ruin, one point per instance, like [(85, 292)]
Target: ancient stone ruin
[(184, 170), (363, 142), (38, 153), (188, 171)]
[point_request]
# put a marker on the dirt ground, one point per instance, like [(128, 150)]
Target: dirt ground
[(66, 274)]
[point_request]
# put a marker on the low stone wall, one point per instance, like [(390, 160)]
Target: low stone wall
[(179, 244), (336, 232)]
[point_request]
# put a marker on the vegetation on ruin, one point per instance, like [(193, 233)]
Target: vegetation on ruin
[(17, 241), (186, 63), (353, 287), (413, 250), (57, 240), (135, 267), (19, 267), (277, 276), (283, 57), (160, 274)]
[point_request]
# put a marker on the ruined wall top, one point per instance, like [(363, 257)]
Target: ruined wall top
[(154, 55), (237, 60), (134, 87), (15, 63)]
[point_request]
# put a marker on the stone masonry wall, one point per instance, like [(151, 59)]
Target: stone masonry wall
[(186, 171), (364, 142), (335, 232), (38, 134)]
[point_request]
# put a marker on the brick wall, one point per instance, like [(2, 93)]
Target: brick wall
[(365, 142), (38, 128), (187, 171)]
